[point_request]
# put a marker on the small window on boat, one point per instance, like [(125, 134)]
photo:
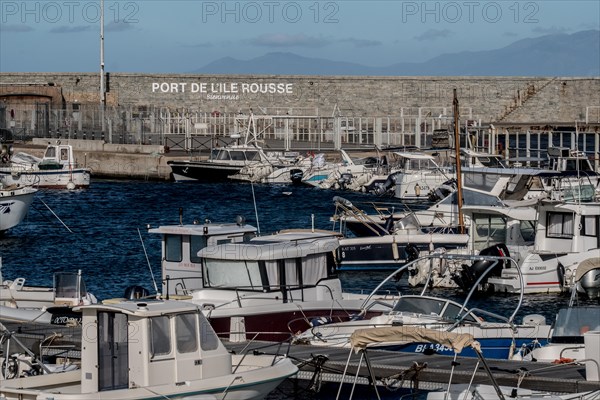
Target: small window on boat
[(160, 336), (590, 225), (185, 330), (252, 156), (559, 225), (223, 155), (64, 154), (50, 152), (237, 156), (197, 243), (173, 250), (527, 229), (419, 305), (208, 338)]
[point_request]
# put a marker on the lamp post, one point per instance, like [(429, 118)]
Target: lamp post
[(102, 85)]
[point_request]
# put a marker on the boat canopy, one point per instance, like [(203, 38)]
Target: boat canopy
[(586, 266), (264, 249), (362, 338)]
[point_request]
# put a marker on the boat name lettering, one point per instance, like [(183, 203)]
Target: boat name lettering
[(420, 348), (538, 268), (223, 88), (365, 247)]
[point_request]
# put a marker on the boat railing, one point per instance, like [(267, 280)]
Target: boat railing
[(259, 349), (461, 315)]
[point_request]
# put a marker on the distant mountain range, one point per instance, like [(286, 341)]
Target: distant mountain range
[(577, 54)]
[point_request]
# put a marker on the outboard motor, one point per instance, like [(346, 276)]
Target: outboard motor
[(442, 191), (136, 292), (296, 175), (344, 180), (387, 185), (469, 274)]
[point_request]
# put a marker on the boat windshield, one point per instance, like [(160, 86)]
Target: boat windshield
[(231, 274), (442, 308), (572, 323)]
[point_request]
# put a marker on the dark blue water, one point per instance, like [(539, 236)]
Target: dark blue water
[(105, 223)]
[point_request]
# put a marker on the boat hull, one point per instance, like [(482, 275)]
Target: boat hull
[(390, 251), (202, 171), (14, 205), (60, 179)]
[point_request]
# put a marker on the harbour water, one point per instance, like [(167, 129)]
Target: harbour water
[(102, 231)]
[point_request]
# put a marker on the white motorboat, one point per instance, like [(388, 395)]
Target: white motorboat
[(149, 350), (360, 175), (566, 234), (58, 168), (51, 305), (272, 285), (418, 175), (498, 335), (14, 205)]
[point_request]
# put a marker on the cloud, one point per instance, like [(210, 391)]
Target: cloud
[(361, 42), (15, 28), (114, 26), (71, 29), (433, 34), (550, 30), (287, 40)]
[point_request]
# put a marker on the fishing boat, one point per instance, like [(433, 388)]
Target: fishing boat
[(498, 335), (224, 161), (58, 168), (270, 285), (149, 350), (14, 205)]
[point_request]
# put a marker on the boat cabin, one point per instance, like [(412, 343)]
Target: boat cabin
[(181, 265), (132, 344), (235, 154), (285, 264), (58, 156)]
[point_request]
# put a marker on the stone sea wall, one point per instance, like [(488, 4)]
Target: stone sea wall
[(490, 99)]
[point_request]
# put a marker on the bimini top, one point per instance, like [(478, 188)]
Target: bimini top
[(362, 338), (283, 245)]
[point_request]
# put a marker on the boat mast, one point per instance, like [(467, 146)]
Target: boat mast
[(461, 222)]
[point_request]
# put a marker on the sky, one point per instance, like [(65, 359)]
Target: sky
[(182, 36)]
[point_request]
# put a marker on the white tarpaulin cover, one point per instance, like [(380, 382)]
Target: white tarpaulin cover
[(362, 338), (586, 266)]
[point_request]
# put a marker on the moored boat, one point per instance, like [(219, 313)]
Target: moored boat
[(149, 350), (58, 168)]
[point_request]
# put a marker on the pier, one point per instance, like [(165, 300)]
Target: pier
[(430, 371)]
